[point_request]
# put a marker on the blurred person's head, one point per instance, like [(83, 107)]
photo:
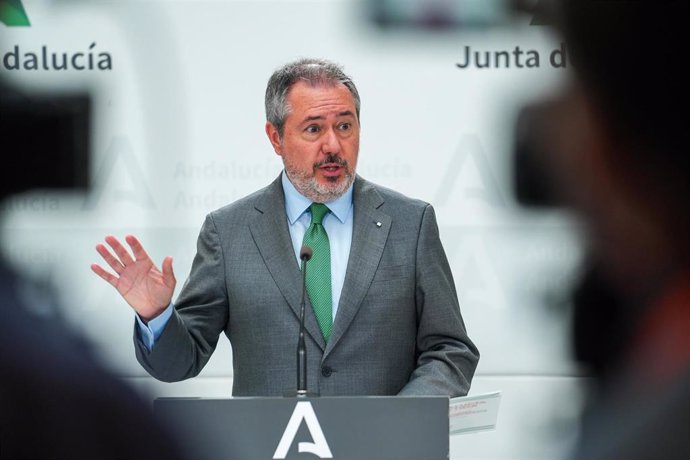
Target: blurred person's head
[(626, 165)]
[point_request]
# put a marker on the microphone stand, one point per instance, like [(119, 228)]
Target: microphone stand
[(305, 255)]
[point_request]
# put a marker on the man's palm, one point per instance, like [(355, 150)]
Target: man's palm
[(146, 288)]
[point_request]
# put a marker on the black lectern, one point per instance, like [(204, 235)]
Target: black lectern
[(339, 428)]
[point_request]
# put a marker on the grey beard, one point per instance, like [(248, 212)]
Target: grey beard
[(319, 193)]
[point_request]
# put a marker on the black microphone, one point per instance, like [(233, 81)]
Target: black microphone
[(305, 254)]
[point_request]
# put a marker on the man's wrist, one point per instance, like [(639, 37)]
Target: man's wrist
[(151, 330)]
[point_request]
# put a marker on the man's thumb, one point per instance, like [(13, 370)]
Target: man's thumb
[(168, 275)]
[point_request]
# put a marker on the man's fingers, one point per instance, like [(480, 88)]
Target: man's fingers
[(119, 249), (97, 269), (137, 248), (110, 259)]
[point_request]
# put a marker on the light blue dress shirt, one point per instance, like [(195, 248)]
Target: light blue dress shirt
[(338, 225)]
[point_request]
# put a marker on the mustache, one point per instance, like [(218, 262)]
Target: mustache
[(331, 159)]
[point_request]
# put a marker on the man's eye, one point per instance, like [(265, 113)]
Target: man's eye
[(345, 126), (312, 129)]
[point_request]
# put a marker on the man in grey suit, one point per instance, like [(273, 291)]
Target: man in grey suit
[(387, 323)]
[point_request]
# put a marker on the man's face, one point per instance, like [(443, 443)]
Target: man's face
[(320, 140)]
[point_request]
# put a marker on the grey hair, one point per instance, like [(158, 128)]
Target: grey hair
[(313, 71)]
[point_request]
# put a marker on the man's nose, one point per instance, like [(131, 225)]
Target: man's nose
[(331, 142)]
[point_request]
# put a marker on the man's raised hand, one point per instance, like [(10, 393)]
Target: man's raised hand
[(146, 288)]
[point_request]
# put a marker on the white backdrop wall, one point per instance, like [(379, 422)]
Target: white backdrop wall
[(179, 131)]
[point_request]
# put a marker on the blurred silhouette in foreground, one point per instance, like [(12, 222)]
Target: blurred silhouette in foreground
[(613, 147), (56, 400)]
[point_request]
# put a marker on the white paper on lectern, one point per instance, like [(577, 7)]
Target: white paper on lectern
[(470, 414)]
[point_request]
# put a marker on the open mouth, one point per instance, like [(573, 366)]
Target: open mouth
[(331, 168)]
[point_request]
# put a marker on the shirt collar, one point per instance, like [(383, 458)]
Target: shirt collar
[(296, 204)]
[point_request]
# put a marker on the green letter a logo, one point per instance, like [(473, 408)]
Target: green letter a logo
[(12, 13)]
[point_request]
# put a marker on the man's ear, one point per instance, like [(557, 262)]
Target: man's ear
[(274, 138)]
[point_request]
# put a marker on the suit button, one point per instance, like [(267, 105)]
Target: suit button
[(326, 371)]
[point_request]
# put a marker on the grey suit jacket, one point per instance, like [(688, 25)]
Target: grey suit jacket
[(398, 329)]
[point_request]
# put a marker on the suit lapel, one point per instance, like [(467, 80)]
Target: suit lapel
[(272, 237), (369, 234)]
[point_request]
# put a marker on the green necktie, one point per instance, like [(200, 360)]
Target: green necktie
[(319, 269)]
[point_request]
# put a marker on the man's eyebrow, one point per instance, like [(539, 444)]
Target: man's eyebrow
[(347, 113)]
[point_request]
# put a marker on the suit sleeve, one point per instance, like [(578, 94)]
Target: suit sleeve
[(200, 315), (446, 357)]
